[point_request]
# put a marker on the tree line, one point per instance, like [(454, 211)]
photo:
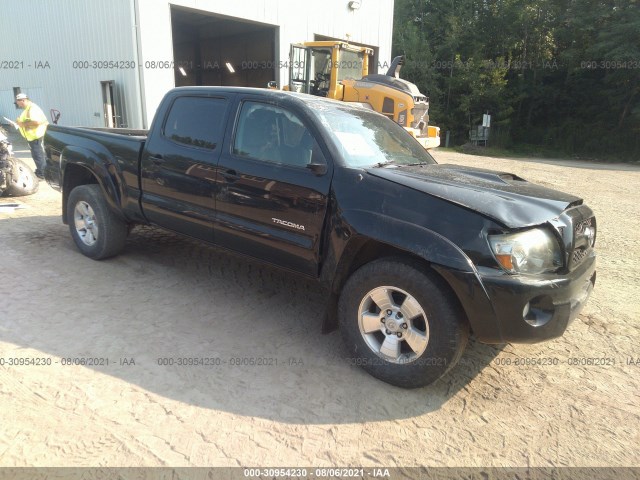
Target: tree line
[(562, 75)]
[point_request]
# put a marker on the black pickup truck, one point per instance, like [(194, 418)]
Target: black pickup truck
[(414, 256)]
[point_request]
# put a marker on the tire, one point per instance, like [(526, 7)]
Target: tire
[(96, 230), (22, 181), (424, 332)]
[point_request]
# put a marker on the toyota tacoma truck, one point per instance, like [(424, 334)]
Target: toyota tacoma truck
[(414, 256)]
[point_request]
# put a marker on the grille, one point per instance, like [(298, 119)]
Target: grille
[(584, 236), (581, 228), (421, 117), (579, 254)]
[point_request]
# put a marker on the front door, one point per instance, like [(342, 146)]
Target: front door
[(271, 203), (310, 70)]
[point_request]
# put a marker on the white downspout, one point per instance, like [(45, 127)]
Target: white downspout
[(135, 14)]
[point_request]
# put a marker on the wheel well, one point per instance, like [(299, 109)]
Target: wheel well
[(372, 250), (74, 175)]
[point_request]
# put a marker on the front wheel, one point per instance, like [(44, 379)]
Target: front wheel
[(96, 230), (401, 324)]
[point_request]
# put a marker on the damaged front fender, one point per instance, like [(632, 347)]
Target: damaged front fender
[(357, 231)]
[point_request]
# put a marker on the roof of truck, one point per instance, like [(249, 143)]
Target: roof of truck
[(310, 101)]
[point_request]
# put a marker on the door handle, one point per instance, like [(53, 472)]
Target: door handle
[(230, 175), (156, 160)]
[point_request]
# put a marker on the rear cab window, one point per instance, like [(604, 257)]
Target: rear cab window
[(196, 122)]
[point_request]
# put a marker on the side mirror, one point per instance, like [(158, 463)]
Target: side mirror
[(318, 168)]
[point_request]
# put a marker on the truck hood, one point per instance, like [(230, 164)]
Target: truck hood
[(503, 197)]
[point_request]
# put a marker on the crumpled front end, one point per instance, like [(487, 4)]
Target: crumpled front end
[(503, 307)]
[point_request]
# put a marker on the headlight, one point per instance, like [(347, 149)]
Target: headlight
[(532, 251)]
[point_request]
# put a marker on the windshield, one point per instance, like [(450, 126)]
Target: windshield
[(350, 65), (366, 138)]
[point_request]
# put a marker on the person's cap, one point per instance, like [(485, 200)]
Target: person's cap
[(21, 96)]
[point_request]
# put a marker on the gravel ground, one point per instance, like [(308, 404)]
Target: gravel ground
[(167, 297)]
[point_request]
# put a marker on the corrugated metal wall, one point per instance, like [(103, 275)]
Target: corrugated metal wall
[(58, 33), (371, 24), (45, 46)]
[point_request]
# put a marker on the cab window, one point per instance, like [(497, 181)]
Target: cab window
[(196, 122), (273, 134)]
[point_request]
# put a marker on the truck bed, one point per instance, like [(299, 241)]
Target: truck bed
[(130, 132), (113, 153), (118, 146)]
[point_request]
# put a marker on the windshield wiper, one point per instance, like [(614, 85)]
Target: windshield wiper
[(417, 164), (383, 164)]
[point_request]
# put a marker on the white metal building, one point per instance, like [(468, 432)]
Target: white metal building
[(109, 62)]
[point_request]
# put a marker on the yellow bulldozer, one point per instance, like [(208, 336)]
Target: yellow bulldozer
[(339, 70)]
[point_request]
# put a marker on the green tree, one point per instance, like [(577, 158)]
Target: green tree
[(556, 73)]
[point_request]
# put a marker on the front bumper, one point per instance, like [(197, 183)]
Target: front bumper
[(504, 308), (431, 140)]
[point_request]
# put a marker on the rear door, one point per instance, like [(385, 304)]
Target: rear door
[(271, 204), (178, 164), (299, 69)]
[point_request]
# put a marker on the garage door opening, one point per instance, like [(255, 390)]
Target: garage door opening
[(212, 49)]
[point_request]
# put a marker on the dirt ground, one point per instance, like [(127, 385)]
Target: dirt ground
[(168, 298)]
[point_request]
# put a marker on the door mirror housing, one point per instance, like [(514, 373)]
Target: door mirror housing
[(317, 168)]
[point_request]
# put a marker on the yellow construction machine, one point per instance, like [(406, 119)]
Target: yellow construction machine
[(339, 70)]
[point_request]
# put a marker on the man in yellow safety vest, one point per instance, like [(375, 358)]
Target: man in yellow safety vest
[(33, 125)]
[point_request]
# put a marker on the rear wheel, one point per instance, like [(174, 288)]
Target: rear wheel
[(402, 324), (22, 180), (96, 230)]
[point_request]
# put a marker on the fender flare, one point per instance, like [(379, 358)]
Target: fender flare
[(409, 237), (98, 168)]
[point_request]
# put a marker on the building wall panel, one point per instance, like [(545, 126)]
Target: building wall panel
[(49, 42)]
